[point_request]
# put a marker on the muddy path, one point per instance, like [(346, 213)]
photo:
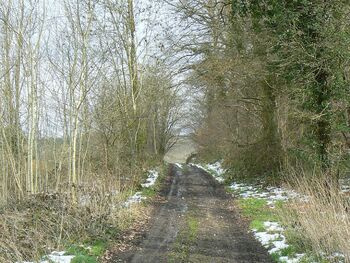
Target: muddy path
[(196, 222)]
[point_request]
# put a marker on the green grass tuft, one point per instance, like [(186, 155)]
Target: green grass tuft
[(185, 239), (87, 253), (149, 192), (193, 226), (84, 259), (288, 252), (275, 257), (257, 209), (257, 225)]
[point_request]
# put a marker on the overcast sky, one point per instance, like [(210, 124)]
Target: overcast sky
[(155, 23)]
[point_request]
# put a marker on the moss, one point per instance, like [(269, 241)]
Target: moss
[(98, 248), (149, 192), (186, 238), (288, 252), (87, 253), (275, 257), (84, 259), (76, 250), (193, 226), (257, 209), (257, 225)]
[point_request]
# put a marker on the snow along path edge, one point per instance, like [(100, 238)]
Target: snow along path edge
[(137, 197)]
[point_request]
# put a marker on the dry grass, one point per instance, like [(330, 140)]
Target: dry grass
[(43, 223), (47, 222), (323, 222)]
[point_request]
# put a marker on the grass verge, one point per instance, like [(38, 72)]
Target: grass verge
[(322, 224), (88, 253), (317, 228), (258, 213), (185, 239)]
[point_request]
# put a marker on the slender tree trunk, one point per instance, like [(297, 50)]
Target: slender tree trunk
[(323, 126), (270, 128), (132, 55)]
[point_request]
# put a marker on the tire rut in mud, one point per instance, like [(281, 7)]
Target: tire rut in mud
[(196, 223)]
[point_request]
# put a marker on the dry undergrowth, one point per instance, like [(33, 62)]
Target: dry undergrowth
[(47, 222), (133, 223), (323, 222)]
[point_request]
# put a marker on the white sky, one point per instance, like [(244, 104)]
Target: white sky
[(162, 28)]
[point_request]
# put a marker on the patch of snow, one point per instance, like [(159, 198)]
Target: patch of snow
[(274, 240), (345, 185), (335, 257), (152, 178), (215, 169), (55, 257), (270, 194), (179, 165), (265, 238), (297, 259), (219, 179), (273, 227), (278, 245), (136, 198), (59, 257), (199, 166)]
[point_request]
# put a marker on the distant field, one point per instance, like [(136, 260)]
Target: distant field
[(183, 149)]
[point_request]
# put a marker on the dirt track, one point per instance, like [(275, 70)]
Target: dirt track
[(196, 223)]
